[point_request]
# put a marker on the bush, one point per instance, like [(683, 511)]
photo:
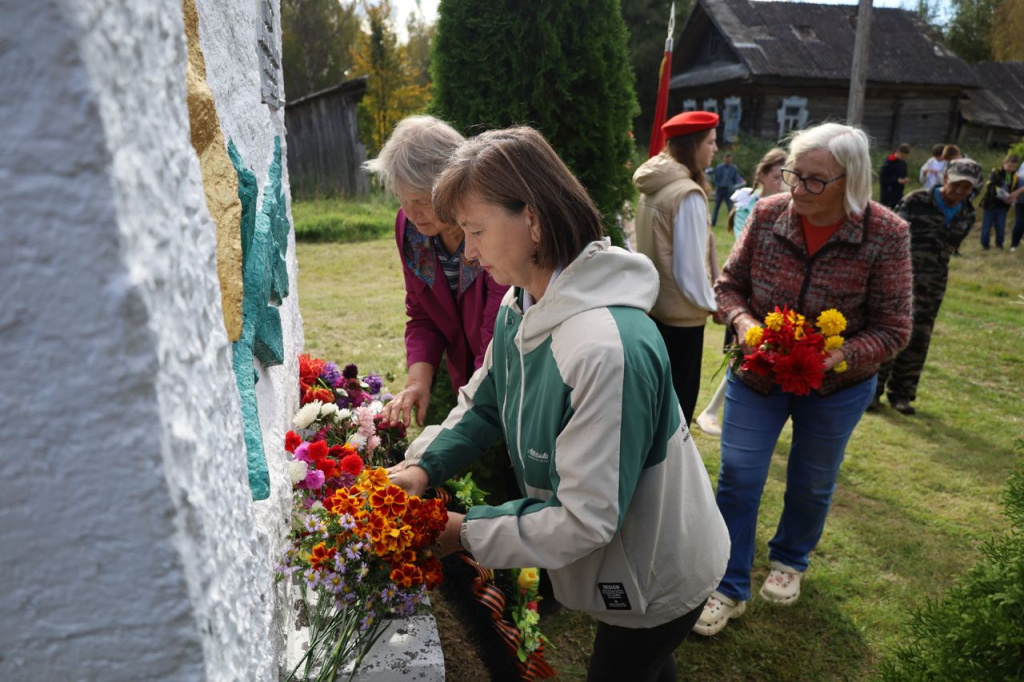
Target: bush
[(976, 631), (561, 67), (344, 220)]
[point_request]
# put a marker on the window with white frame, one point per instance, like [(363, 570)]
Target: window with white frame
[(731, 115), (689, 105), (711, 105), (792, 115)]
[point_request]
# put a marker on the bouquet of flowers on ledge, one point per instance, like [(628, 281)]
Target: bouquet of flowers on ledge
[(790, 350), (359, 545)]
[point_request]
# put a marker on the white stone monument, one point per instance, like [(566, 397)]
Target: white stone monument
[(144, 391)]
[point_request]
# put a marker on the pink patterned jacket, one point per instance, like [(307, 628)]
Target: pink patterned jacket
[(459, 326), (863, 271)]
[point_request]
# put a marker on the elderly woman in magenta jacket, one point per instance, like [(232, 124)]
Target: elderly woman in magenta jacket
[(451, 302), (822, 245)]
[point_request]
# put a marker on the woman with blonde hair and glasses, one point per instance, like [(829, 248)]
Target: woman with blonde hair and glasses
[(822, 245), (616, 502)]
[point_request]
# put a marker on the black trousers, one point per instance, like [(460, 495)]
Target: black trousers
[(685, 350), (639, 655)]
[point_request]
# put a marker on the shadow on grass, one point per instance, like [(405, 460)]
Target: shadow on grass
[(989, 460)]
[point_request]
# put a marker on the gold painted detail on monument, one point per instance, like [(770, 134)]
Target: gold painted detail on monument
[(220, 181)]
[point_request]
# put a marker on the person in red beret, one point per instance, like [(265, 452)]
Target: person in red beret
[(672, 229)]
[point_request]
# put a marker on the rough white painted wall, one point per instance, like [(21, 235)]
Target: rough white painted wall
[(129, 544)]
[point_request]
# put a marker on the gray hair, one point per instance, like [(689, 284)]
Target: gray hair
[(415, 154), (849, 147)]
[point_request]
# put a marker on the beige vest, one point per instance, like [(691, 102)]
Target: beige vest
[(655, 214)]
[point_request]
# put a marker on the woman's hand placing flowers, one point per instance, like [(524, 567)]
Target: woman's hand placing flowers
[(414, 480)]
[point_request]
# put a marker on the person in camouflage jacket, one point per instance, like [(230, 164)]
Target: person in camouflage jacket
[(939, 220)]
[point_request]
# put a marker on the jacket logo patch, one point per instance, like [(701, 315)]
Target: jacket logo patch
[(615, 597), (538, 456)]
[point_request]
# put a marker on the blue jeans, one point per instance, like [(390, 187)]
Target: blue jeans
[(1018, 225), (721, 196), (751, 424), (994, 217)]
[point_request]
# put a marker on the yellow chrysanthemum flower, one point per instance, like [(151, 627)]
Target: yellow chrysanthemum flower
[(753, 337), (841, 367), (774, 321), (831, 322), (833, 343)]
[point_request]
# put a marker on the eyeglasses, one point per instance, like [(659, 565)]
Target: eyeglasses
[(812, 185)]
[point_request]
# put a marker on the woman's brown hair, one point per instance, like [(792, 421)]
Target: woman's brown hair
[(515, 168), (772, 158), (684, 150)]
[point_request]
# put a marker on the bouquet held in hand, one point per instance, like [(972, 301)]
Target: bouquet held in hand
[(791, 350)]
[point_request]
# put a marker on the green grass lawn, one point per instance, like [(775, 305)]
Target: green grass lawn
[(916, 497)]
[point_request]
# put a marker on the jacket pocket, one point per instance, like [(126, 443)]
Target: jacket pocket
[(603, 582)]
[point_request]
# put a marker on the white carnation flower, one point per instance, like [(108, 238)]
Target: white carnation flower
[(297, 470), (328, 409), (357, 441), (307, 414), (375, 407)]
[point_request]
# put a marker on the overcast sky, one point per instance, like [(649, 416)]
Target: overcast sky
[(403, 8)]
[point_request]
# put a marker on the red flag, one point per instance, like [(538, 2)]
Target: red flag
[(661, 108)]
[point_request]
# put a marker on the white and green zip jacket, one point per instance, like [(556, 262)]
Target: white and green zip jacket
[(618, 506)]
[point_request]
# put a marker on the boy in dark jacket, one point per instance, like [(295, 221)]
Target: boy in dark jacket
[(893, 177)]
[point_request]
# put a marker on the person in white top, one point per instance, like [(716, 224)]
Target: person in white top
[(933, 169), (672, 229)]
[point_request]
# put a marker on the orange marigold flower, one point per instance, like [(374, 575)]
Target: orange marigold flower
[(391, 500), (321, 554), (372, 479), (432, 573), (407, 576)]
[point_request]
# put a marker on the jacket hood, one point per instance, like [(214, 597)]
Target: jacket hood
[(600, 277), (657, 172)]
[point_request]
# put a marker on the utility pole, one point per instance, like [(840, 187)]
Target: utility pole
[(859, 76)]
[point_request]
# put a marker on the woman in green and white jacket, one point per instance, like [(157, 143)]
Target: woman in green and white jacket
[(617, 504)]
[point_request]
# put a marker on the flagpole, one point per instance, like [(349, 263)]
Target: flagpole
[(664, 76)]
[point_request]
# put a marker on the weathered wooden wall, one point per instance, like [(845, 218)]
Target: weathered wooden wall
[(325, 156)]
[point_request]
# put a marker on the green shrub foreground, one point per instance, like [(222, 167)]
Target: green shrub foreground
[(976, 630)]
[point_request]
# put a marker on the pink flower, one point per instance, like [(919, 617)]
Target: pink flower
[(365, 417), (314, 480), (301, 453), (372, 443)]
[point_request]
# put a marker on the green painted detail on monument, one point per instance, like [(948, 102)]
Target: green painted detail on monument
[(265, 281)]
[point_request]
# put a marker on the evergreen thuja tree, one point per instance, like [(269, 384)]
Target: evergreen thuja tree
[(561, 66)]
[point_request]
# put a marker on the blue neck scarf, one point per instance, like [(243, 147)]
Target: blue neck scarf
[(948, 212)]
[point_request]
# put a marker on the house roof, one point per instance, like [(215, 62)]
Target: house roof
[(354, 87), (808, 40), (1000, 100)]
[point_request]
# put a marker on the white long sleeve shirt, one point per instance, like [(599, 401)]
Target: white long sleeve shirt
[(689, 246)]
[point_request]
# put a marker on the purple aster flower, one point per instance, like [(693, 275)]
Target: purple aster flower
[(373, 383), (352, 552), (350, 372), (331, 374)]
